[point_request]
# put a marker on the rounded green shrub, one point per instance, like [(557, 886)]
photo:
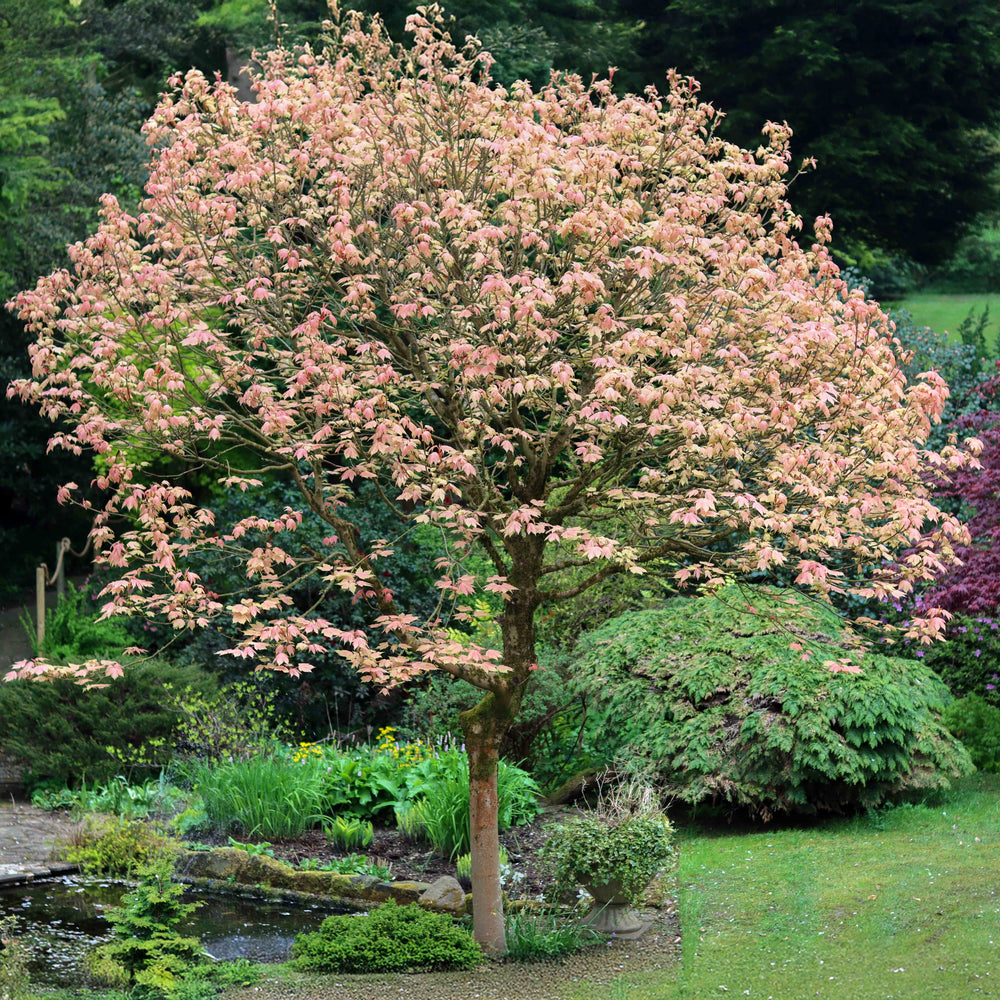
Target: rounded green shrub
[(968, 661), (64, 731), (390, 939), (749, 699), (977, 724)]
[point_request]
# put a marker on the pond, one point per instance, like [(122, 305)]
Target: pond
[(60, 920)]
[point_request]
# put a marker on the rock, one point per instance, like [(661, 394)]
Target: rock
[(269, 871), (404, 892), (351, 886), (315, 883), (222, 863), (445, 895)]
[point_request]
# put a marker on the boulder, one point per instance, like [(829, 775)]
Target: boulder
[(222, 863), (402, 892), (445, 896), (312, 882), (270, 871)]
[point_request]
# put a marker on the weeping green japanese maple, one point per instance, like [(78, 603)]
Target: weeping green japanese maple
[(762, 701)]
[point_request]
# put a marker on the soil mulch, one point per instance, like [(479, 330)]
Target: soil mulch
[(420, 862)]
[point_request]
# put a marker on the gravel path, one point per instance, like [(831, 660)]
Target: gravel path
[(597, 967)]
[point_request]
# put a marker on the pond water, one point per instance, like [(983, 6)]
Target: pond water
[(62, 919)]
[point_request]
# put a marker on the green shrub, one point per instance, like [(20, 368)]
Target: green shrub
[(968, 661), (265, 796), (146, 945), (390, 939), (234, 723), (64, 731), (117, 847), (729, 713), (14, 979), (541, 937), (977, 724), (74, 633)]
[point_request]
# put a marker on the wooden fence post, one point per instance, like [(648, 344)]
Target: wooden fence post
[(40, 575)]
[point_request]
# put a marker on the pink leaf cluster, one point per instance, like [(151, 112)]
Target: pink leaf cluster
[(572, 329)]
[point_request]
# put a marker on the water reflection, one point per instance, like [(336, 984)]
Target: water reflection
[(60, 920)]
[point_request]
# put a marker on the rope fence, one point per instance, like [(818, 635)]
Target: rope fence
[(43, 580)]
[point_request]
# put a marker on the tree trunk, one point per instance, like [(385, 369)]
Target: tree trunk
[(485, 727), (483, 733)]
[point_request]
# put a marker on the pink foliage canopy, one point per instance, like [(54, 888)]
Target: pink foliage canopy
[(571, 328)]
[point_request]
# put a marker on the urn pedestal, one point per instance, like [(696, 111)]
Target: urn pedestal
[(612, 913)]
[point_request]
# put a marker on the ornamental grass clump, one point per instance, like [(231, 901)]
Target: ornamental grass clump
[(261, 797)]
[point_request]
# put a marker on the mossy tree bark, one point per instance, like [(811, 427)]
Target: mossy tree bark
[(485, 727)]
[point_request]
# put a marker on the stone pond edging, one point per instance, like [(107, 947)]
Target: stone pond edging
[(229, 869)]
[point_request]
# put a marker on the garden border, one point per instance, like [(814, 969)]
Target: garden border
[(226, 868)]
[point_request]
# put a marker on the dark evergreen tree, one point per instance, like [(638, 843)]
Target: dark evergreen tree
[(895, 99)]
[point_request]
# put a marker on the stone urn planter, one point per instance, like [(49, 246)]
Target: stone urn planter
[(612, 911), (614, 852)]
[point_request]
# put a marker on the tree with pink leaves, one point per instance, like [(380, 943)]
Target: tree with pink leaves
[(570, 331)]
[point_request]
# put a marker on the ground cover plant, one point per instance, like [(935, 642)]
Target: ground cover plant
[(118, 796), (570, 330)]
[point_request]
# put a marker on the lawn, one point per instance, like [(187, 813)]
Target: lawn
[(946, 312), (904, 903)]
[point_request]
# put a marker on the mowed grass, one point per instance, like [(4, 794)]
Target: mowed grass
[(902, 904), (944, 313)]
